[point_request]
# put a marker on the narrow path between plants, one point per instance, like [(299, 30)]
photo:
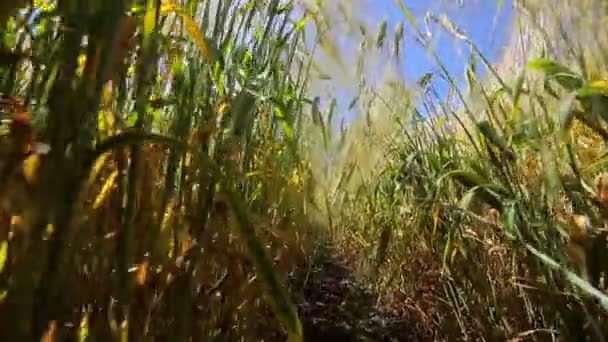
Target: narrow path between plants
[(334, 306)]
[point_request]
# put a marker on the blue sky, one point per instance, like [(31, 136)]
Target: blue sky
[(481, 20)]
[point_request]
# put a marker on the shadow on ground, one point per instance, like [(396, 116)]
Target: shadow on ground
[(334, 306)]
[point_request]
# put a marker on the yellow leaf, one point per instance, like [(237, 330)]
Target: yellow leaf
[(455, 251), (601, 85), (82, 61), (436, 211), (84, 328), (105, 191), (222, 106), (3, 254), (149, 22), (192, 28), (16, 220), (124, 331), (98, 167), (30, 167)]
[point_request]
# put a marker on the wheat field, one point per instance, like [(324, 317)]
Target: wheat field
[(182, 170)]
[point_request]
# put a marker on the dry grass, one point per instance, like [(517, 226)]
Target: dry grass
[(472, 223), (194, 167), (171, 203)]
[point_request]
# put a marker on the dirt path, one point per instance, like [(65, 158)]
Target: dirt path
[(333, 306)]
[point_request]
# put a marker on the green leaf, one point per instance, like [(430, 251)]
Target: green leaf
[(408, 15), (280, 301), (317, 118), (517, 91), (568, 81), (594, 98), (488, 131), (488, 192), (330, 114), (499, 5), (553, 70), (149, 23), (566, 114), (131, 119), (381, 34), (281, 114), (572, 277), (425, 80), (398, 38), (441, 122), (552, 180), (548, 66), (508, 219), (301, 24), (240, 112)]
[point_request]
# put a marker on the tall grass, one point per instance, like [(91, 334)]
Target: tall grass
[(190, 160), (167, 205), (485, 219)]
